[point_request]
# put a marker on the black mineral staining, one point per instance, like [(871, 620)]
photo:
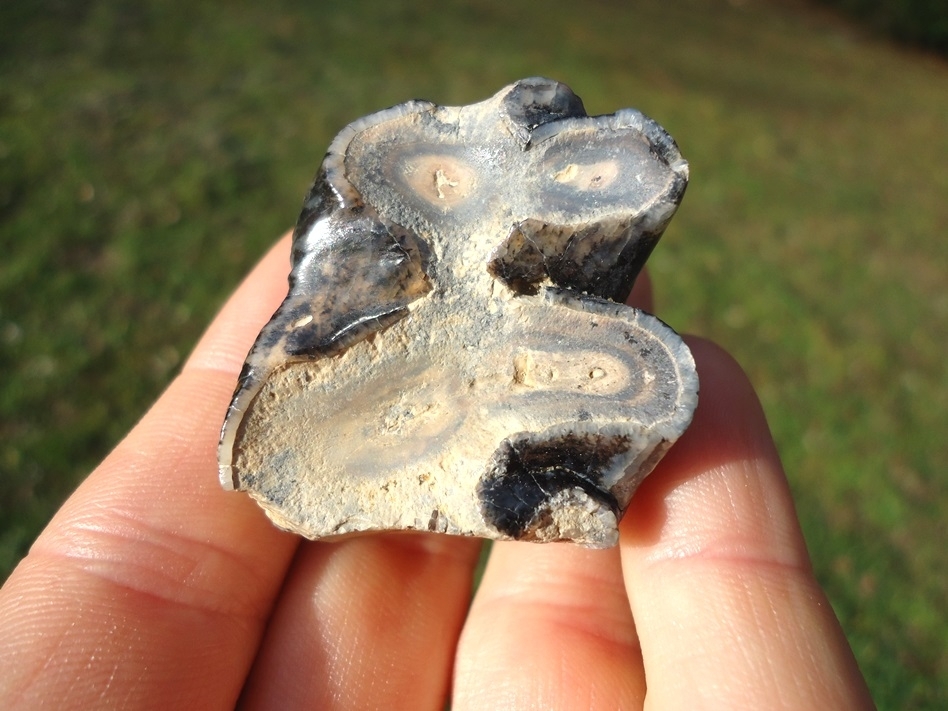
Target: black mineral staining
[(525, 475), (352, 277), (321, 200), (336, 332), (536, 101), (590, 259)]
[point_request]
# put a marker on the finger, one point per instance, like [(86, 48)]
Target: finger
[(727, 609), (227, 340), (550, 627), (369, 622), (151, 586), (641, 296)]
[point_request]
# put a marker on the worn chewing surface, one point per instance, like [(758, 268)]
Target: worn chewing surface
[(453, 354)]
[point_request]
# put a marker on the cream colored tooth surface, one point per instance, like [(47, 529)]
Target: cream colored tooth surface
[(453, 354)]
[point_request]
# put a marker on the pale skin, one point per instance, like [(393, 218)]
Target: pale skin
[(154, 588)]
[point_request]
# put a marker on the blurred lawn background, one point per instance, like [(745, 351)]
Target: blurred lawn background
[(150, 152)]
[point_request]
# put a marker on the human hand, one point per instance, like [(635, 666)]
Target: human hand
[(154, 588)]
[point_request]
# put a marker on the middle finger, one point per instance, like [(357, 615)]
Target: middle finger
[(550, 627), (369, 622)]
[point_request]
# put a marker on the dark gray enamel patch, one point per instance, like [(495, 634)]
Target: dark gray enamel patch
[(526, 475)]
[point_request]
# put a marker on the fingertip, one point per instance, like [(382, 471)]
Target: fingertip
[(642, 295), (729, 422), (720, 584), (228, 339), (727, 445)]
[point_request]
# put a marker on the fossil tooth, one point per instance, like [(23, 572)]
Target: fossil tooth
[(453, 354)]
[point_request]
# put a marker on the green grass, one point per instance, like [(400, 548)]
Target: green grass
[(148, 157)]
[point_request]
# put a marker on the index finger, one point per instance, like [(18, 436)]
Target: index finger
[(728, 612), (152, 585)]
